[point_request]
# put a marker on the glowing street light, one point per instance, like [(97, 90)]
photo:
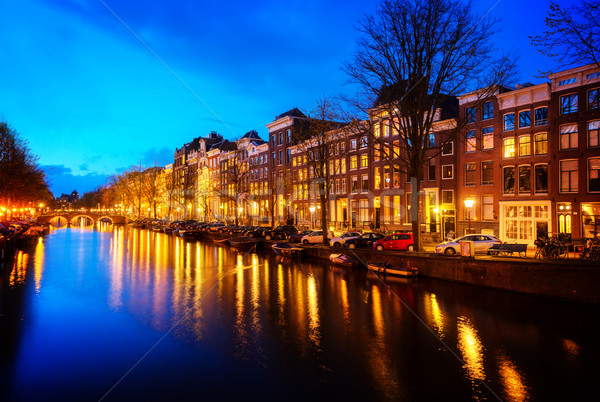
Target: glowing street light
[(469, 204)]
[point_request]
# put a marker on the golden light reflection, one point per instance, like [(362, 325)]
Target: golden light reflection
[(378, 321), (571, 347), (437, 316), (281, 300), (512, 380), (471, 348), (38, 265), (345, 303), (19, 271), (115, 295), (240, 332), (313, 311)]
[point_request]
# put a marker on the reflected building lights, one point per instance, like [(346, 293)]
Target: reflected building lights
[(378, 321), (437, 316), (471, 348), (313, 310), (38, 267), (512, 380)]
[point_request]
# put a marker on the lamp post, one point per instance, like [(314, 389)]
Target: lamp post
[(469, 204), (312, 210)]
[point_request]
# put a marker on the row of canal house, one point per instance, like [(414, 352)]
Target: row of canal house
[(528, 164)]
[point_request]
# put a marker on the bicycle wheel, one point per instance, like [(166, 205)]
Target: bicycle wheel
[(563, 251)]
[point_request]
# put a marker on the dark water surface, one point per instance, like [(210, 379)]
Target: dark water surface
[(116, 313)]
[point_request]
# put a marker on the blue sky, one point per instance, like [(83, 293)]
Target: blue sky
[(92, 100)]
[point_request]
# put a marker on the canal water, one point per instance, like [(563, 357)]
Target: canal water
[(116, 313)]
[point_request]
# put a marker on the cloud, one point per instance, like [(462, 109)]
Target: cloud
[(62, 180)]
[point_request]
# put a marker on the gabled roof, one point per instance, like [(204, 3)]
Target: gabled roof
[(295, 112), (393, 93)]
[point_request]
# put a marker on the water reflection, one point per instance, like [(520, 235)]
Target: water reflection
[(304, 325)]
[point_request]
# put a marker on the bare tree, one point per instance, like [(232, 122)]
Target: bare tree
[(234, 178), (413, 55), (573, 34), (319, 138), (151, 188)]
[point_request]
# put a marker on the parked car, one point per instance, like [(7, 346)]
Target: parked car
[(396, 241), (297, 238), (313, 237), (364, 240), (215, 226), (481, 244), (340, 240), (280, 232)]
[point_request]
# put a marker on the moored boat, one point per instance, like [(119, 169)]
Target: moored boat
[(385, 268), (287, 249), (221, 241), (243, 242), (343, 260)]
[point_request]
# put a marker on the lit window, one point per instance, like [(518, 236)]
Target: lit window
[(541, 143), (487, 207), (594, 175), (365, 183), (447, 171), (524, 146), (488, 137), (353, 162), (471, 143), (593, 131), (364, 160), (509, 147), (568, 136), (568, 176)]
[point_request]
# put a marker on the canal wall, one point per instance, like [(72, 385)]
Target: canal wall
[(571, 280)]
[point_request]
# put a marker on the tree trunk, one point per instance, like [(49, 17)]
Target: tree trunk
[(415, 217)]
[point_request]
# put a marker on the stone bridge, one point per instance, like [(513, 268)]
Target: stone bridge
[(70, 217)]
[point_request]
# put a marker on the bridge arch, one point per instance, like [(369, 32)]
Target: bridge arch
[(73, 219)]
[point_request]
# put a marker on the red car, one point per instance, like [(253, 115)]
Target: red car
[(396, 241)]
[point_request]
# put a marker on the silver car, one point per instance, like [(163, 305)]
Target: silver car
[(481, 244)]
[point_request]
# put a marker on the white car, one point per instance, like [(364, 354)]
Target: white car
[(481, 244), (314, 237), (339, 241)]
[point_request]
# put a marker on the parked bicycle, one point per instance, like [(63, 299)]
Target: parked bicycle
[(550, 249), (592, 250)]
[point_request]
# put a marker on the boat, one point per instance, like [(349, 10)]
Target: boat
[(243, 243), (343, 259), (221, 241), (385, 268), (287, 249)]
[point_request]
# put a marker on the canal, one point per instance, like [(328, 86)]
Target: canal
[(116, 313)]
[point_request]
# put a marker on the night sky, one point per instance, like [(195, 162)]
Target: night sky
[(98, 86)]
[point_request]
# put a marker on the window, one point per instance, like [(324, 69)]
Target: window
[(568, 136), (364, 160), (470, 114), (509, 121), (447, 196), (470, 173), (377, 177), (386, 129), (377, 152), (593, 75), (488, 111), (594, 99), (364, 183), (354, 188), (487, 208), (509, 147), (289, 136), (431, 170), (524, 119), (471, 144), (448, 148), (363, 142), (525, 179), (353, 144), (343, 166), (524, 145), (594, 175), (343, 186), (487, 172), (541, 144), (568, 176), (593, 130), (568, 104), (541, 178), (377, 130), (280, 157), (541, 116), (567, 81), (396, 175), (431, 140), (288, 157), (353, 162), (509, 179), (488, 137), (280, 138), (386, 177), (447, 171)]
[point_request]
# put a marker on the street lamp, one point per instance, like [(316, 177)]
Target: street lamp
[(469, 204), (312, 210)]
